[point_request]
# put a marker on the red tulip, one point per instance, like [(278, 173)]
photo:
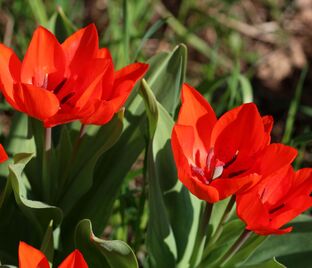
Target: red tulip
[(218, 158), (276, 200), (29, 257), (59, 83), (3, 155)]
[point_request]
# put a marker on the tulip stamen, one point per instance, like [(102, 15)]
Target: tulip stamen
[(273, 210), (199, 173), (227, 164), (59, 86)]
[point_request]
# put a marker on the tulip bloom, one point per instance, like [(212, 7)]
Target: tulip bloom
[(29, 257), (218, 158), (59, 83), (276, 200)]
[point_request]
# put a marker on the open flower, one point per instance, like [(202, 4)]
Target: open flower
[(29, 257), (59, 83), (275, 200), (218, 158)]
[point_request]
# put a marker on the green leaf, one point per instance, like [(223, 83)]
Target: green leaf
[(246, 251), (47, 245), (293, 108), (168, 242), (291, 249), (88, 153), (166, 76), (39, 11), (63, 27), (230, 232), (102, 253), (273, 263), (246, 88), (39, 213)]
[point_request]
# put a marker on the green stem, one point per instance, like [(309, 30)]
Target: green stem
[(48, 139), (46, 187), (201, 234), (126, 31), (235, 247), (219, 229), (293, 108)]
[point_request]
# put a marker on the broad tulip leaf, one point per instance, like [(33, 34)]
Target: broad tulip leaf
[(246, 250), (88, 153), (169, 243), (231, 231), (39, 213), (267, 264), (101, 253), (293, 249), (165, 76)]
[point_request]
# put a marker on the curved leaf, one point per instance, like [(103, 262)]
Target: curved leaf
[(38, 212), (102, 253)]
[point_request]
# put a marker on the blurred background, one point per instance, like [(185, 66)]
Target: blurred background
[(238, 51)]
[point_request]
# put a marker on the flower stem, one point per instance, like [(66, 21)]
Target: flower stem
[(201, 234), (48, 139), (235, 247), (46, 187), (219, 229)]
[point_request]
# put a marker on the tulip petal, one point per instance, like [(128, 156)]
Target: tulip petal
[(182, 141), (197, 112), (241, 131), (36, 102), (99, 113), (229, 186), (10, 68), (29, 257), (79, 48), (74, 260), (268, 125), (3, 154), (274, 157), (124, 82), (63, 116), (43, 64)]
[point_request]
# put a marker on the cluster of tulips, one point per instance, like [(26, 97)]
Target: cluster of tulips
[(215, 158), (234, 156)]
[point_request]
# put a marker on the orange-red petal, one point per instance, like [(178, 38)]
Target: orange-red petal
[(29, 257), (10, 69), (124, 81), (99, 113), (74, 260), (274, 157), (3, 154), (197, 112), (79, 48), (44, 62), (36, 102), (241, 131), (229, 186)]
